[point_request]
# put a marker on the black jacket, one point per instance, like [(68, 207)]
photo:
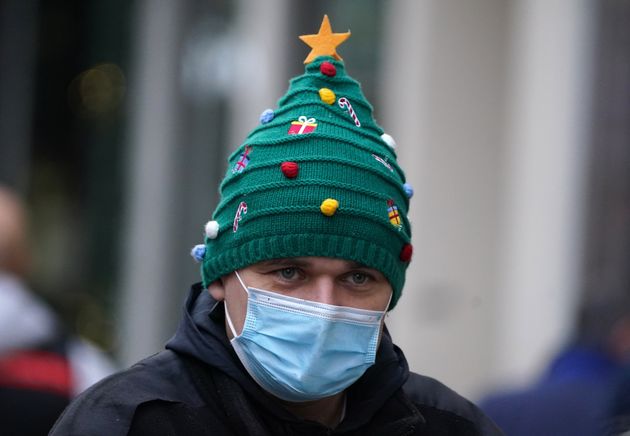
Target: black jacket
[(199, 387)]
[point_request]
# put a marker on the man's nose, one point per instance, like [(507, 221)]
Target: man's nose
[(324, 291)]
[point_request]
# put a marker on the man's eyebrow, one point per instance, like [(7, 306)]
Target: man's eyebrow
[(284, 262), (353, 264), (304, 262)]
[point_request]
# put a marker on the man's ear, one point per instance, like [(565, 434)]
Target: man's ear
[(217, 290)]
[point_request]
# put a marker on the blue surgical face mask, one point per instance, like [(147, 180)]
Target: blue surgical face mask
[(301, 350)]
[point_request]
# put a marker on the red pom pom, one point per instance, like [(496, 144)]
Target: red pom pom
[(406, 252), (289, 169), (328, 69)]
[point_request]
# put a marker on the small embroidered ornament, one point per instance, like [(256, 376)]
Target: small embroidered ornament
[(327, 95), (383, 161), (212, 229), (345, 103), (389, 141), (289, 169), (240, 211), (408, 190), (303, 125), (328, 69), (392, 212), (329, 206), (243, 161), (266, 116), (406, 253), (198, 252)]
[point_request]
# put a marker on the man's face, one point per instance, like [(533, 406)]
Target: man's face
[(325, 280)]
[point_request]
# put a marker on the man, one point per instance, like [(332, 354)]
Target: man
[(306, 252)]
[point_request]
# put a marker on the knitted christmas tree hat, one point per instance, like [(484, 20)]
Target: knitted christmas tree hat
[(317, 177)]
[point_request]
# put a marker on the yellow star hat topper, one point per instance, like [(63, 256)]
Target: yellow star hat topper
[(325, 42)]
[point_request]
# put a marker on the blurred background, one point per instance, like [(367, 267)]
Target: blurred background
[(512, 122)]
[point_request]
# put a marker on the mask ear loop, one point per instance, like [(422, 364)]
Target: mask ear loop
[(386, 311), (227, 315), (229, 320)]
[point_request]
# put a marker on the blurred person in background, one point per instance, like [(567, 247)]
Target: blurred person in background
[(574, 396), (42, 366), (305, 254)]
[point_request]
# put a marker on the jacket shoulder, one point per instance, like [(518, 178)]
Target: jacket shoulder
[(108, 407), (437, 401)]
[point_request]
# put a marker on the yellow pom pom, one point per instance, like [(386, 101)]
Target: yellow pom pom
[(327, 96), (329, 206)]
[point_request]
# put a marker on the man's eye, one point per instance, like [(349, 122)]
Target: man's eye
[(359, 278), (288, 273)]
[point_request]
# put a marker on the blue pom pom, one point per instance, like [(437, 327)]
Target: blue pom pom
[(408, 190), (198, 252), (267, 116)]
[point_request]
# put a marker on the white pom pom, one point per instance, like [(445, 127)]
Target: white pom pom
[(388, 140), (212, 229)]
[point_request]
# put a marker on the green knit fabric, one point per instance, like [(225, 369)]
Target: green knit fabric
[(337, 160)]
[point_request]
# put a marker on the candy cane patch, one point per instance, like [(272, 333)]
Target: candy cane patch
[(240, 211), (344, 103), (383, 161)]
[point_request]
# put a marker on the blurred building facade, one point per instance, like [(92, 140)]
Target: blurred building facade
[(118, 130)]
